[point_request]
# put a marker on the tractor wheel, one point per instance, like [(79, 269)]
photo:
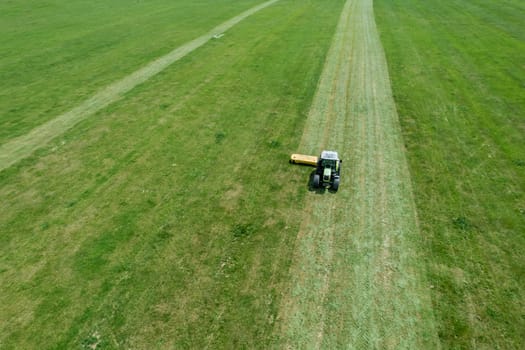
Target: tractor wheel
[(316, 180), (335, 185)]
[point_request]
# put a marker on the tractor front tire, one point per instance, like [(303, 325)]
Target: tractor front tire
[(335, 185), (316, 180)]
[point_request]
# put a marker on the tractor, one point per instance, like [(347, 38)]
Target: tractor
[(327, 168)]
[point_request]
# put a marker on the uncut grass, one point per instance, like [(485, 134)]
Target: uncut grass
[(168, 219), (457, 76), (57, 54)]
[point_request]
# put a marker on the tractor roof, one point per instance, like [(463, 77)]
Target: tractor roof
[(329, 155)]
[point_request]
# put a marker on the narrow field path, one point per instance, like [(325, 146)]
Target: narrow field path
[(23, 146), (357, 277)]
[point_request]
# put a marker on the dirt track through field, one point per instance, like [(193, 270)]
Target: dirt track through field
[(357, 279), (23, 146)]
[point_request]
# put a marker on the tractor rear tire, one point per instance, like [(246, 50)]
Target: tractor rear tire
[(316, 181), (335, 185)]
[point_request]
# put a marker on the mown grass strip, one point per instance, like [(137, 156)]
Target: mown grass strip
[(357, 279), (23, 146)]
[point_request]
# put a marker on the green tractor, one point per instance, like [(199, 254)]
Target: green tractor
[(328, 171), (327, 168)]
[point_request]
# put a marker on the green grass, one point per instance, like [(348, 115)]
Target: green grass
[(57, 53), (167, 219), (458, 79)]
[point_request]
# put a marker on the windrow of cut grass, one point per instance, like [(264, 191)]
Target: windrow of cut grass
[(56, 54), (168, 219), (357, 279), (458, 80)]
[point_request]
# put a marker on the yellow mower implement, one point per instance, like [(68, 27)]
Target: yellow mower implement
[(304, 159)]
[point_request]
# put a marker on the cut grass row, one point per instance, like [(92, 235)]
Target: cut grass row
[(457, 73), (357, 279), (168, 219)]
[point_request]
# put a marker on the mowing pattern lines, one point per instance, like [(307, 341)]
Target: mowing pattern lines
[(357, 279), (23, 146)]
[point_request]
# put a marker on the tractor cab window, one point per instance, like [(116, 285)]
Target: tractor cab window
[(328, 163)]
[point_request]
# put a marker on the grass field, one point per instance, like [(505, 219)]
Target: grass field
[(170, 217), (53, 58), (458, 76), (20, 147)]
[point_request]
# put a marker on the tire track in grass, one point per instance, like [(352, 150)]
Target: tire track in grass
[(356, 278), (23, 146)]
